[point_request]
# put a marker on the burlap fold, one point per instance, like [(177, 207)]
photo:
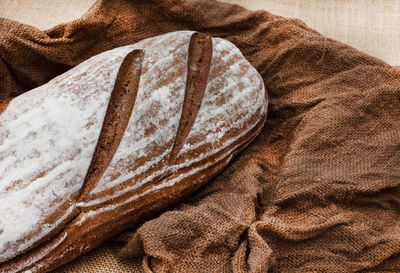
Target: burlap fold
[(317, 191)]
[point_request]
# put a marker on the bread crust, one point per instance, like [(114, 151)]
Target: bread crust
[(3, 104), (212, 121)]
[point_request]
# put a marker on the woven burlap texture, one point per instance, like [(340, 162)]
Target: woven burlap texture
[(102, 259), (318, 190), (368, 25)]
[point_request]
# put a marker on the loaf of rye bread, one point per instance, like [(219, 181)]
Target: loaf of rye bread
[(116, 139)]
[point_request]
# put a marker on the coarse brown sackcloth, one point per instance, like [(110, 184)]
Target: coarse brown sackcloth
[(317, 191)]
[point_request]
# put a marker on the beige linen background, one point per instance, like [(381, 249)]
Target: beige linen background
[(369, 25)]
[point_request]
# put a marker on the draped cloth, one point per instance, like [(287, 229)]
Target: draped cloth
[(318, 189)]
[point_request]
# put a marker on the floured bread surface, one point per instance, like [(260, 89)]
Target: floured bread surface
[(84, 144), (47, 139)]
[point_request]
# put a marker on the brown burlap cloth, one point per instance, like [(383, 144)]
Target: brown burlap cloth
[(317, 191)]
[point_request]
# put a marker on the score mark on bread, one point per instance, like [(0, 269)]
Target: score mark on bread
[(199, 63), (119, 110)]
